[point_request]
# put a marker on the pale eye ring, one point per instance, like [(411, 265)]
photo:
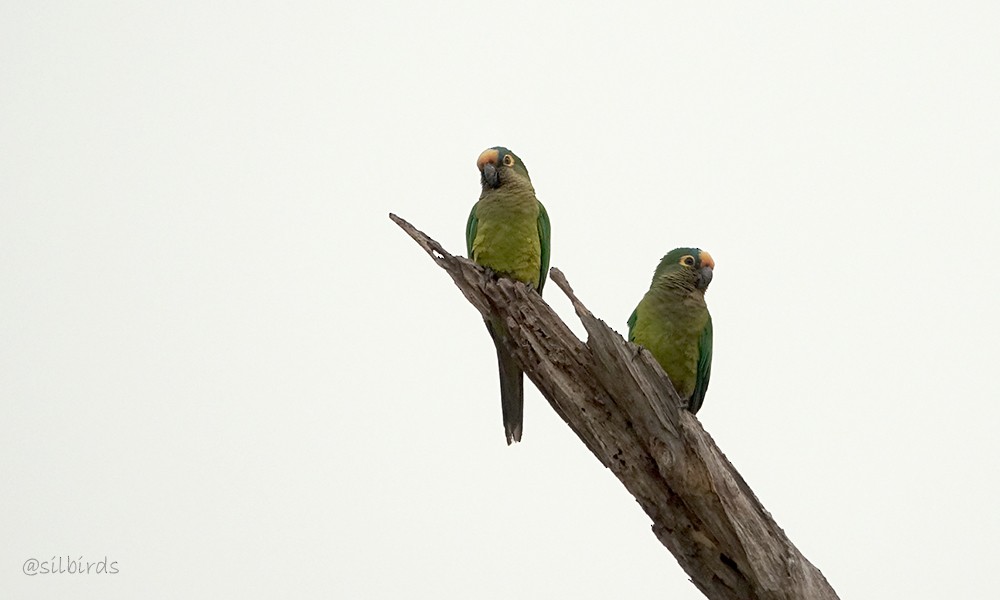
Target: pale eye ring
[(687, 260), (508, 160)]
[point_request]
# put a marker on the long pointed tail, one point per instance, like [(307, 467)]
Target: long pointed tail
[(511, 389)]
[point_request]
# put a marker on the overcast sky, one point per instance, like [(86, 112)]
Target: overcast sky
[(224, 368)]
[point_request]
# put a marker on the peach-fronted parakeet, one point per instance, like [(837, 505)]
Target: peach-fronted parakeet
[(508, 232), (672, 321)]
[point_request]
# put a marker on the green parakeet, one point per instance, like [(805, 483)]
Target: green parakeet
[(673, 323), (508, 232)]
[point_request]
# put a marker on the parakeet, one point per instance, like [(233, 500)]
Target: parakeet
[(672, 321), (508, 232)]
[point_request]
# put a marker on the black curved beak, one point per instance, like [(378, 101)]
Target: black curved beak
[(704, 277), (490, 176)]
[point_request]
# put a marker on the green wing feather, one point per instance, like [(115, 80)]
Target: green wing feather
[(631, 323), (704, 367), (545, 237), (470, 230)]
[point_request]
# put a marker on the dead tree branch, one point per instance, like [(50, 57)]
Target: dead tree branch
[(622, 406)]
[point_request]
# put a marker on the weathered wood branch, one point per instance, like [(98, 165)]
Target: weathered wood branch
[(622, 406)]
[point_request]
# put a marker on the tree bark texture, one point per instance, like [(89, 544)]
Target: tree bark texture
[(622, 406)]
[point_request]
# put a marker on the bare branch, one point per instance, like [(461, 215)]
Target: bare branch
[(619, 402)]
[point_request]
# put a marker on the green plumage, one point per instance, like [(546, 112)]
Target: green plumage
[(508, 232), (672, 321)]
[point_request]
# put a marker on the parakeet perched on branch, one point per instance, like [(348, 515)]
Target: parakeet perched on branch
[(508, 232), (673, 323)]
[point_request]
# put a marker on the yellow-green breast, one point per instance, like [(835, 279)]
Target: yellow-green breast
[(507, 238), (670, 326)]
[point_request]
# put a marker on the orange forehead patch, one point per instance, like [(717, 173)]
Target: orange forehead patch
[(706, 259), (488, 156)]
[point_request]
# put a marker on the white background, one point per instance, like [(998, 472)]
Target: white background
[(223, 367)]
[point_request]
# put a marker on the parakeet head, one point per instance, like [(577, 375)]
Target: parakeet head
[(685, 267), (499, 166)]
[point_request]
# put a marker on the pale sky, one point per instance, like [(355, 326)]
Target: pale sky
[(224, 368)]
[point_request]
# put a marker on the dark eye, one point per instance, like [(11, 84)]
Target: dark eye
[(687, 261), (508, 160)]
